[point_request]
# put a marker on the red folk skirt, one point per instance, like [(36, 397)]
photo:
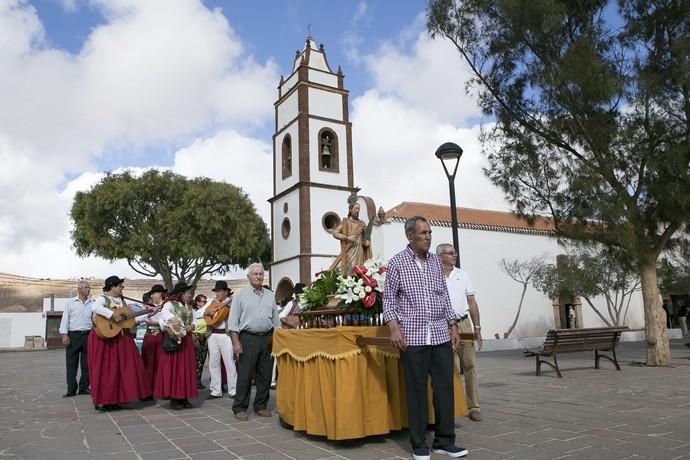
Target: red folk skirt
[(151, 350), (116, 370), (176, 376)]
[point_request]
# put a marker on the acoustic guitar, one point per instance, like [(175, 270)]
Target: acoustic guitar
[(216, 313), (107, 328)]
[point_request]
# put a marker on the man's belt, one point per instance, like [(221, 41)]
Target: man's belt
[(462, 318), (259, 334), (86, 332), (218, 331)]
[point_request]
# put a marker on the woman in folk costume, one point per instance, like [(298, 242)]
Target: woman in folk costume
[(200, 342), (176, 375), (151, 348), (116, 370)]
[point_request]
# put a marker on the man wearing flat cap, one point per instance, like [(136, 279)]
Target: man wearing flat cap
[(219, 344), (115, 367)]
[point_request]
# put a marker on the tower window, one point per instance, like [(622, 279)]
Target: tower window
[(328, 150), (285, 228), (330, 220), (287, 156)]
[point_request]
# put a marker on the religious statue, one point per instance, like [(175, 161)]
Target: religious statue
[(355, 248)]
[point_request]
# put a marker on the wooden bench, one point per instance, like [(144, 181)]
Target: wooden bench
[(574, 340)]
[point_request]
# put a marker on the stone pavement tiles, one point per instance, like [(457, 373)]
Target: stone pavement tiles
[(589, 414)]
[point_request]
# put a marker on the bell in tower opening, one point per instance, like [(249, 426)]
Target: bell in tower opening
[(326, 151)]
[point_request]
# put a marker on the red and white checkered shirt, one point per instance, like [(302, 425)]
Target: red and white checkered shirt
[(418, 299)]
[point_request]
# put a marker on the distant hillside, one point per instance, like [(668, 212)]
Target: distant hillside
[(21, 293)]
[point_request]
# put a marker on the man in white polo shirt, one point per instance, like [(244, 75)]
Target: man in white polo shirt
[(462, 299), (74, 329)]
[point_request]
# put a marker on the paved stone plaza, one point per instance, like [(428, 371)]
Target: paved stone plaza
[(637, 413)]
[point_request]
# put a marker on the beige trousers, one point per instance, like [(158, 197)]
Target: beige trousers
[(465, 360)]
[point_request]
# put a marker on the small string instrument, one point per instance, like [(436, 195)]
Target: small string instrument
[(107, 328), (216, 313)]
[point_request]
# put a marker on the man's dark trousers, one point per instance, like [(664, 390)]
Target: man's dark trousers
[(74, 354), (418, 363), (256, 355)]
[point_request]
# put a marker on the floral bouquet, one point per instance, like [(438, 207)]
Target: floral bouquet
[(362, 290)]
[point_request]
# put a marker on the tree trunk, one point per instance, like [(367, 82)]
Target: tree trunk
[(517, 315), (167, 279), (658, 351)]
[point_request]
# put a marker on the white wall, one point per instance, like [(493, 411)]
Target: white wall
[(323, 201), (14, 326), (634, 319), (59, 303), (287, 110), (319, 264), (325, 104), (289, 269), (286, 247), (323, 78), (288, 84)]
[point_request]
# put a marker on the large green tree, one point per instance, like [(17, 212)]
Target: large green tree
[(590, 108), (165, 224)]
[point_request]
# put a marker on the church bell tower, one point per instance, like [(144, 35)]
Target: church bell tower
[(312, 168)]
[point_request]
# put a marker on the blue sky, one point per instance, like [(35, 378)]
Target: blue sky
[(271, 30), (91, 86)]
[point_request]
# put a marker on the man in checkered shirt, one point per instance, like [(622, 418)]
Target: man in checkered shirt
[(417, 309)]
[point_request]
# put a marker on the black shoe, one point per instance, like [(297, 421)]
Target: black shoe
[(176, 404), (186, 404), (85, 392), (69, 394), (148, 398), (451, 450), (214, 397), (114, 407), (101, 408)]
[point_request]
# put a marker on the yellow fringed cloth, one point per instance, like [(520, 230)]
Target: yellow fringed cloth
[(329, 386)]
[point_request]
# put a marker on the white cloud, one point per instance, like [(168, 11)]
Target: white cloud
[(231, 157), (394, 156), (69, 5), (227, 156), (352, 37), (155, 73), (430, 78), (417, 103)]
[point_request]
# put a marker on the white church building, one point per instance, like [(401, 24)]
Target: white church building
[(313, 177)]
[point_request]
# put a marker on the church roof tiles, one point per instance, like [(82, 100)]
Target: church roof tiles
[(475, 219)]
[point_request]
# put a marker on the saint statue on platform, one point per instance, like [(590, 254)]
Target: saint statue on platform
[(355, 246)]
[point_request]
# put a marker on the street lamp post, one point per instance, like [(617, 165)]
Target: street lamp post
[(449, 153)]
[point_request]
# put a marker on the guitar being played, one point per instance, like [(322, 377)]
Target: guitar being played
[(122, 316), (217, 311)]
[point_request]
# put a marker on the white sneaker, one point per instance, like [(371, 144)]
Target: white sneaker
[(421, 454)]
